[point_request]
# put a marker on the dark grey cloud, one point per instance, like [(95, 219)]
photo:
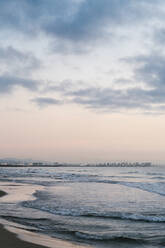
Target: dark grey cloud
[(15, 61), (109, 99), (45, 101), (90, 19), (16, 70), (146, 94), (71, 20), (63, 18), (117, 100), (113, 100), (8, 84), (159, 36), (73, 25), (149, 69), (63, 86)]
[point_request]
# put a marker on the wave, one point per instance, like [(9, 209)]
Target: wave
[(157, 188), (16, 218), (128, 216), (42, 224), (159, 177), (83, 213), (31, 176), (37, 224), (130, 172), (103, 237)]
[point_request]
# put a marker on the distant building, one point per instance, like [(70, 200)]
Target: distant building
[(37, 164)]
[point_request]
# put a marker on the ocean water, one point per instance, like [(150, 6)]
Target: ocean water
[(100, 207)]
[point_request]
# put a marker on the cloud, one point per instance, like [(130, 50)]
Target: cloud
[(71, 21), (108, 99), (149, 69), (146, 94), (149, 100), (14, 61), (63, 86), (89, 20), (45, 101), (159, 36), (8, 84), (16, 70), (74, 25), (111, 100)]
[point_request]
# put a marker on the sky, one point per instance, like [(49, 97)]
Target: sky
[(82, 80)]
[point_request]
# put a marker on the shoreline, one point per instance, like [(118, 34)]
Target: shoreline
[(17, 237), (2, 193), (10, 239)]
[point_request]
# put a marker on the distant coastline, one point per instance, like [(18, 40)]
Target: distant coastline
[(108, 165)]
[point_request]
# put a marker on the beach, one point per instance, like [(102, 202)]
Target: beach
[(2, 193), (82, 207), (12, 237), (10, 240)]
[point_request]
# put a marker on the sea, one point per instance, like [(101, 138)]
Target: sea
[(89, 206)]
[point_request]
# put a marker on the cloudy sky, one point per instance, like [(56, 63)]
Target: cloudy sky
[(82, 80)]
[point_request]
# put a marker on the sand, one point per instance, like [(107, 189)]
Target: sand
[(2, 193), (10, 240), (15, 237)]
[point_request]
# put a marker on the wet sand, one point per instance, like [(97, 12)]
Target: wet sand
[(12, 237), (2, 193), (10, 240)]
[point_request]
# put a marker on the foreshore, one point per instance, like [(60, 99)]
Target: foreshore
[(10, 240), (2, 193), (13, 237)]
